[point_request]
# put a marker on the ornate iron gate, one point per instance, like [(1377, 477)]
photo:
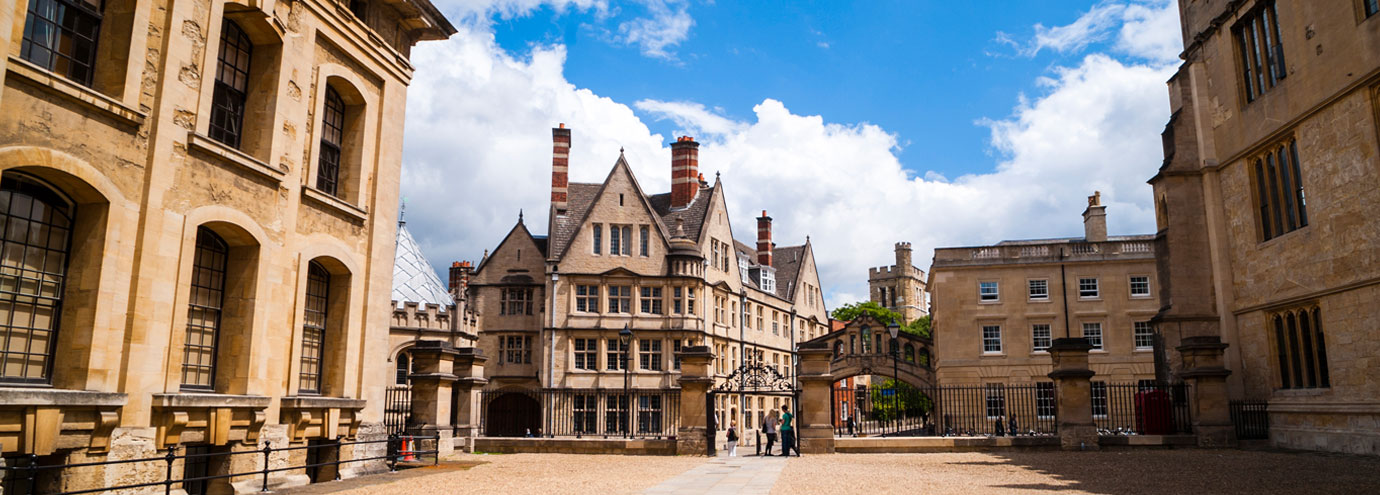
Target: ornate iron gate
[(756, 380)]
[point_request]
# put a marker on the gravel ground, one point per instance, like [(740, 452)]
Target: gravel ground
[(1128, 472), (543, 473)]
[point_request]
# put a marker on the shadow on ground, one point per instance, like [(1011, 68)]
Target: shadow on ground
[(380, 478)]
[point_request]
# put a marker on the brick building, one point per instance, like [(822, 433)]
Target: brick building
[(996, 309), (201, 200), (1269, 239), (666, 266)]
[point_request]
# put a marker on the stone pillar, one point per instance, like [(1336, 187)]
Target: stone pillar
[(1206, 376), (469, 368), (695, 379), (433, 366), (815, 430), (1073, 392)]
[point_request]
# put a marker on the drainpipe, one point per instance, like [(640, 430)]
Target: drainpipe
[(1064, 290), (742, 347), (551, 348)]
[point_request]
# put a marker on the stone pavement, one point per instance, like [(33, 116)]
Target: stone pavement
[(723, 475)]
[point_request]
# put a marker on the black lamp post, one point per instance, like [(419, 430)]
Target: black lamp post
[(895, 331), (625, 340)]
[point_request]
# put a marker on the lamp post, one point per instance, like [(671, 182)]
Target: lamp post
[(625, 340), (895, 331)]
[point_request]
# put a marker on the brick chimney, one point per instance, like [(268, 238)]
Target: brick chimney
[(1095, 219), (764, 244), (685, 166), (459, 277), (560, 161)]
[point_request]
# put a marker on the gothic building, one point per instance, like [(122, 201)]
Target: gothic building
[(1269, 238), (900, 287), (666, 267), (424, 308)]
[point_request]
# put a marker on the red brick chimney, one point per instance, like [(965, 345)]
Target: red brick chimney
[(685, 165), (459, 277), (560, 161), (764, 239)]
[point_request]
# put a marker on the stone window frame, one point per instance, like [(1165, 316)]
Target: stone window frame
[(587, 298), (1277, 191), (650, 300), (508, 298), (1085, 293), (644, 241), (649, 354), (618, 299), (995, 293), (260, 121), (56, 197), (1100, 345), (1030, 289), (1147, 335), (615, 354), (359, 122), (1261, 66), (585, 354), (991, 333), (1302, 363), (117, 42), (341, 312), (1035, 347), (597, 244), (1131, 281), (514, 349)]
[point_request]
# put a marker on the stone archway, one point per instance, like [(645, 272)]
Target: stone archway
[(512, 414)]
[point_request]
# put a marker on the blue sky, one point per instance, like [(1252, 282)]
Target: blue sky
[(858, 124)]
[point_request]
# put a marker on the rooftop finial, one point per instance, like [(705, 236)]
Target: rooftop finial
[(402, 209), (519, 215), (620, 150)]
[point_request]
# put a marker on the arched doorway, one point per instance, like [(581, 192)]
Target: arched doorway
[(513, 414)]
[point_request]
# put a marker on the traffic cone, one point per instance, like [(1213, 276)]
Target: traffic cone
[(407, 449)]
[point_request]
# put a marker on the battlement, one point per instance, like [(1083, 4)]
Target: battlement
[(886, 272)]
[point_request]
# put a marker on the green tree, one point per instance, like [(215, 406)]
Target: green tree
[(919, 327), (911, 404)]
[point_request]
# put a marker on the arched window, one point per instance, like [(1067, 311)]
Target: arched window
[(838, 348), (314, 328), (204, 311), (333, 132), (910, 353), (36, 242), (866, 339), (404, 363), (232, 85)]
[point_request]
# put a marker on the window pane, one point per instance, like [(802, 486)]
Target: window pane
[(204, 311), (31, 277)]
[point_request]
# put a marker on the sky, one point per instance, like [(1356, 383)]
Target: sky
[(858, 124)]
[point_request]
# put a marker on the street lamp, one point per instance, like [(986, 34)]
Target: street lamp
[(624, 340), (895, 331)]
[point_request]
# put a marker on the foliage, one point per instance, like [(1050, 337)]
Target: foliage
[(848, 312), (911, 403), (919, 327)]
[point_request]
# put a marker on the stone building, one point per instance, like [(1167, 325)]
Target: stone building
[(1269, 239), (665, 266), (900, 287), (996, 309), (200, 199), (423, 308)]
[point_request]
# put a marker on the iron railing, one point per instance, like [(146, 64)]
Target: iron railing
[(397, 408), (604, 413), (1251, 419), (945, 411), (24, 475), (1140, 408)]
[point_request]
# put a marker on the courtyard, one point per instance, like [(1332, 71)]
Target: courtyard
[(1111, 472)]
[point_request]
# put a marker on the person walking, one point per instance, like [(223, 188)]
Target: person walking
[(1001, 432), (787, 432), (1011, 426), (769, 421), (733, 438)]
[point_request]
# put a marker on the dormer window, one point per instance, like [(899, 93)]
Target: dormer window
[(768, 279), (743, 270)]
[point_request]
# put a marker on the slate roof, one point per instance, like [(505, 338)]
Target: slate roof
[(693, 215), (414, 279), (785, 259), (579, 197)]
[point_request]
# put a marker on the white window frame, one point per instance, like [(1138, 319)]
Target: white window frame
[(994, 392), (1094, 325), (1035, 337), (1132, 283), (1030, 289), (1099, 399), (996, 292), (744, 270), (1044, 400), (1148, 334), (1096, 291), (986, 339)]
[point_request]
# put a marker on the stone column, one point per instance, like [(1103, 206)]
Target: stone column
[(815, 429), (1073, 392), (469, 368), (695, 379), (433, 366), (1206, 376)]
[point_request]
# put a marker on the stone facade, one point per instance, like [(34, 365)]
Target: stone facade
[(665, 266), (900, 287), (1266, 210), (996, 309), (199, 230), (425, 309)]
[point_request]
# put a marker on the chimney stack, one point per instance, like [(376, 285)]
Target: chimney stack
[(560, 162), (764, 244), (459, 277), (685, 165), (1095, 219)]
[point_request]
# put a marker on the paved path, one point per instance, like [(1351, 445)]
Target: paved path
[(723, 475)]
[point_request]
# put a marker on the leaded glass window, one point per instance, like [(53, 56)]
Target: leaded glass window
[(204, 308), (37, 223)]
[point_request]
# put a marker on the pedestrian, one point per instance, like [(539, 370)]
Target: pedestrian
[(851, 425), (769, 421), (733, 438), (1012, 426), (787, 432), (1001, 429)]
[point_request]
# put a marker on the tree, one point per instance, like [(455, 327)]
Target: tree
[(920, 327), (912, 403)]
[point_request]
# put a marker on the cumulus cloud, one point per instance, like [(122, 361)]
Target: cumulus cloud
[(1147, 29), (478, 150), (656, 35)]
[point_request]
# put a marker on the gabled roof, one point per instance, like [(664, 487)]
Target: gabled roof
[(414, 279), (693, 215), (519, 228), (573, 222), (785, 260)]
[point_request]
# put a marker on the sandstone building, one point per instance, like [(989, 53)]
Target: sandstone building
[(665, 266), (423, 308), (1269, 240), (996, 309), (200, 200), (900, 287)]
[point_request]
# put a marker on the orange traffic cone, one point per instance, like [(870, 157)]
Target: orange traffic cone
[(407, 449)]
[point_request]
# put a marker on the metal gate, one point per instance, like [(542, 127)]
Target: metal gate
[(749, 381), (397, 409)]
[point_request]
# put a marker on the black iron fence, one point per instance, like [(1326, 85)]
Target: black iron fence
[(605, 413), (194, 470), (1251, 419), (397, 408), (1140, 408), (994, 409)]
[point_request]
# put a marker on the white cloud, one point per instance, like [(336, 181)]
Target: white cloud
[(478, 150), (657, 35), (1146, 29)]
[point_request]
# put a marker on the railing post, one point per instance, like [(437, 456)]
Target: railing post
[(392, 449), (268, 449), (33, 473), (167, 478)]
